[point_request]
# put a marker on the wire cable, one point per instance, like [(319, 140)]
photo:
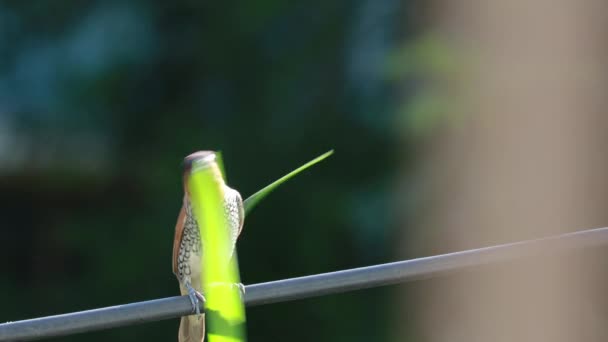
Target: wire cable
[(299, 288)]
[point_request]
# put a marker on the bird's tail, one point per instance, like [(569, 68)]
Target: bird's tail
[(192, 328)]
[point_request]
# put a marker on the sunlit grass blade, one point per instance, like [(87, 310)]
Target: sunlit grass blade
[(224, 308), (253, 200), (220, 163)]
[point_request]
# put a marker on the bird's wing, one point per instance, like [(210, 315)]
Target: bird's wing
[(177, 240), (241, 215)]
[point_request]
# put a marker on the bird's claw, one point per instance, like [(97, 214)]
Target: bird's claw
[(241, 288), (195, 298)]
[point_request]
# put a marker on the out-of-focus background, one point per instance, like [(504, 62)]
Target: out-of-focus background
[(455, 125)]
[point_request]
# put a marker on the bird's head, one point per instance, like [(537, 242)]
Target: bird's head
[(198, 160)]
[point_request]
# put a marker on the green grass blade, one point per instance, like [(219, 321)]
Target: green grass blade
[(254, 199), (220, 163), (224, 307)]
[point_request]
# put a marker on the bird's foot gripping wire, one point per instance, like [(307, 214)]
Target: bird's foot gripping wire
[(195, 298), (241, 288)]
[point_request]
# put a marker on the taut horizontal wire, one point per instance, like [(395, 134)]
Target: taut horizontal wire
[(298, 288)]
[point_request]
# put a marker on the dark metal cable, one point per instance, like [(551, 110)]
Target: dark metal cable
[(298, 288)]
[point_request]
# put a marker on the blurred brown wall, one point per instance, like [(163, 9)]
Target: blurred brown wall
[(527, 158)]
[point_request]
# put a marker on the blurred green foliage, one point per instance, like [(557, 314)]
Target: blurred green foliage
[(94, 93), (434, 67)]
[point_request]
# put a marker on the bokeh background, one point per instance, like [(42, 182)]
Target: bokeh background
[(101, 100), (455, 125)]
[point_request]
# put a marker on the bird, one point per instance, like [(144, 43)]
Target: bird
[(187, 246)]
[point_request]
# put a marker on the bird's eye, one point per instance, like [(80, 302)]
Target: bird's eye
[(187, 163)]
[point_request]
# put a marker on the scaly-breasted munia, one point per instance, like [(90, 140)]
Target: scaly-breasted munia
[(187, 245)]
